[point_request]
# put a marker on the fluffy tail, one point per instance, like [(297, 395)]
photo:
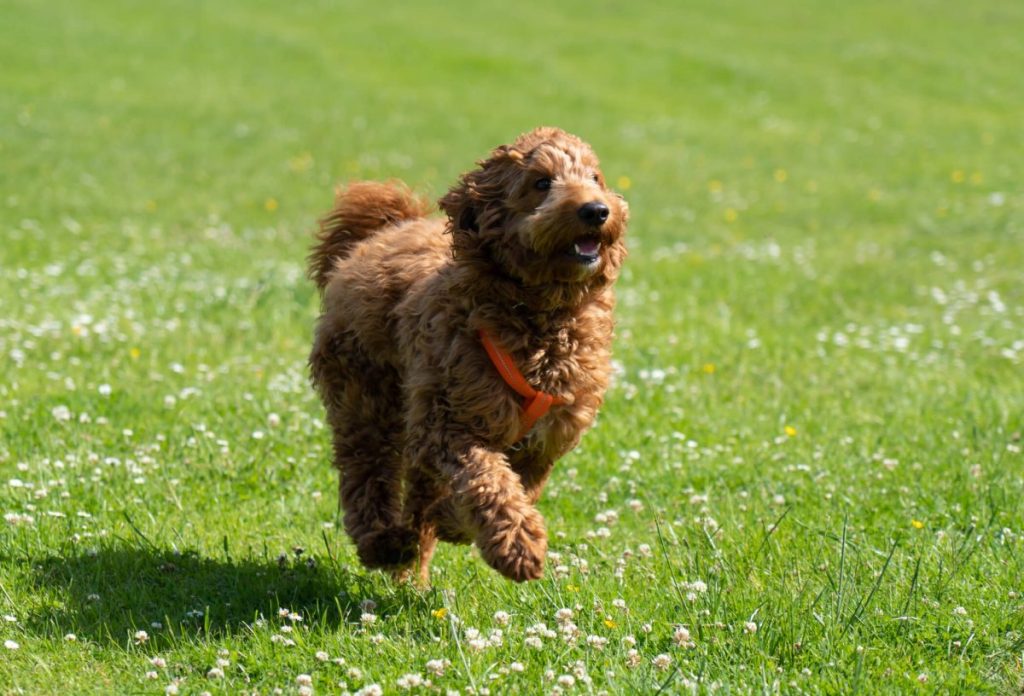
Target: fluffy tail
[(360, 210)]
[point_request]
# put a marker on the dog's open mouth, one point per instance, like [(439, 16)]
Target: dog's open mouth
[(586, 250)]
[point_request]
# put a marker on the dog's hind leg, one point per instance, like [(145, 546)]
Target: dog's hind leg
[(364, 411)]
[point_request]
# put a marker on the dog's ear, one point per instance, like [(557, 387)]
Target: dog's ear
[(477, 201)]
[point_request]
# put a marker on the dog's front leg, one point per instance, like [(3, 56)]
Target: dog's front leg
[(499, 516)]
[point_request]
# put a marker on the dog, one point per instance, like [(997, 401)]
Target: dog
[(459, 357)]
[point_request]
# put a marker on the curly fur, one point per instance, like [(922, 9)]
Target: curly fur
[(424, 428)]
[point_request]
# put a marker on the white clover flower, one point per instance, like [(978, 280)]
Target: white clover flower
[(215, 673), (367, 619), (662, 661), (437, 667), (304, 680), (322, 656), (410, 681), (11, 645), (501, 618), (141, 637), (750, 627)]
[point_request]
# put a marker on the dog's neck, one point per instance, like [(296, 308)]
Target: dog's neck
[(487, 287)]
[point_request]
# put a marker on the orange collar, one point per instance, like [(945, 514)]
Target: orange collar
[(535, 403)]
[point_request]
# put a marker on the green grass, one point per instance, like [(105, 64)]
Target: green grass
[(821, 334)]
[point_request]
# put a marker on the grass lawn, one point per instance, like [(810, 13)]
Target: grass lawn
[(808, 478)]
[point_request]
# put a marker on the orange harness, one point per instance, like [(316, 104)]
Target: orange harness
[(535, 403)]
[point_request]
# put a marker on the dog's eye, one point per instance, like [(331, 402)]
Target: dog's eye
[(542, 184), (596, 178)]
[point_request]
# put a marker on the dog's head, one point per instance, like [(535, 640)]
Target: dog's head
[(539, 210)]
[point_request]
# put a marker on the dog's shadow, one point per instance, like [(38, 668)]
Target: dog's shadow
[(109, 594)]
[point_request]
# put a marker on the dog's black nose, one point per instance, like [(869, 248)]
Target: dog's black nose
[(593, 213)]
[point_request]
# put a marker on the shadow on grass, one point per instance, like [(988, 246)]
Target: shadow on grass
[(109, 594)]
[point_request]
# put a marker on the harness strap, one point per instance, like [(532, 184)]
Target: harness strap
[(535, 403)]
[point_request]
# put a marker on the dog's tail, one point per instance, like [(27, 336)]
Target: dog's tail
[(360, 210)]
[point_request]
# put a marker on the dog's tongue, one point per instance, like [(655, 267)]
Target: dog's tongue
[(587, 247)]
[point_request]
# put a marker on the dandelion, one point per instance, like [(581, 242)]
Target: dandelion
[(790, 431), (624, 183), (439, 613), (780, 175), (270, 205), (709, 368), (917, 524), (609, 622)]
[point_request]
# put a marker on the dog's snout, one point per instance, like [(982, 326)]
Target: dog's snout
[(593, 213)]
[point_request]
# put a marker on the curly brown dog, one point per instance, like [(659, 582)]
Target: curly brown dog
[(431, 326)]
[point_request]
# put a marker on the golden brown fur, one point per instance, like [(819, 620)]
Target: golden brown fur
[(424, 427)]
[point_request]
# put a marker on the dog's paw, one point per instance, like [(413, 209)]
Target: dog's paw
[(393, 548), (517, 550)]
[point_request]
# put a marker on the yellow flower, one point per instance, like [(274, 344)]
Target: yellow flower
[(301, 162), (440, 613), (135, 353), (790, 431), (608, 623), (917, 524), (709, 368), (572, 588), (624, 183), (714, 186), (977, 178), (874, 195), (957, 176), (780, 175), (76, 330), (270, 204), (730, 215), (150, 206)]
